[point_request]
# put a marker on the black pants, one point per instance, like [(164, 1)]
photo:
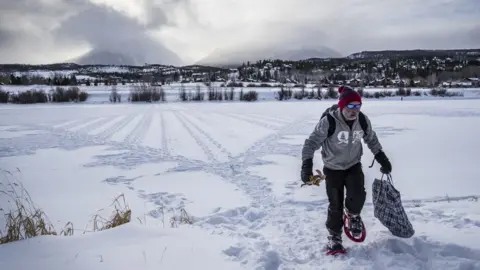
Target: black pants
[(353, 180)]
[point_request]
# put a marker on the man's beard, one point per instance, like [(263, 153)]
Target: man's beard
[(350, 115)]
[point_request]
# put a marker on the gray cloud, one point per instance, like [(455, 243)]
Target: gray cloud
[(55, 30), (101, 26), (155, 14), (84, 25), (7, 38), (346, 26), (28, 6), (157, 10), (36, 12), (25, 27), (105, 29)]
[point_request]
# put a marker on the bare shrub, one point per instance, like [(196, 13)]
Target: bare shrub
[(401, 92), (434, 92), (214, 94), (83, 96), (311, 94), (146, 93), (404, 92), (4, 96), (284, 93), (331, 93), (443, 92), (360, 91), (249, 96), (319, 93), (114, 95), (70, 94), (300, 94), (29, 97), (368, 95), (408, 92), (454, 94), (231, 94), (199, 95), (387, 93), (182, 94), (225, 95)]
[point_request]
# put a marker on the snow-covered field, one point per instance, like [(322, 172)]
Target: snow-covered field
[(234, 168)]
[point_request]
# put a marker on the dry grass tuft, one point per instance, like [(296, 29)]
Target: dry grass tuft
[(184, 218), (22, 218), (68, 229), (121, 214)]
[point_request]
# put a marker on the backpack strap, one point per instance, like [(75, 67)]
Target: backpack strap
[(331, 121), (363, 122), (331, 125)]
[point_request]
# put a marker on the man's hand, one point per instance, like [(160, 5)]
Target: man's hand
[(315, 180), (307, 168), (386, 166)]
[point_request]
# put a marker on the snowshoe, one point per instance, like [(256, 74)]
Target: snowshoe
[(354, 228), (334, 245), (338, 249)]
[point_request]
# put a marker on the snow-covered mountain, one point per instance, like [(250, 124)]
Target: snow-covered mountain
[(152, 54), (236, 57), (98, 57)]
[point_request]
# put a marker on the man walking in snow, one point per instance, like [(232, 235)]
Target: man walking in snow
[(339, 133)]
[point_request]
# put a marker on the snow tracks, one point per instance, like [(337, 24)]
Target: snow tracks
[(283, 226)]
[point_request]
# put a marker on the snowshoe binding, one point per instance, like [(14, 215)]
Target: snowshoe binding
[(334, 245), (353, 227)]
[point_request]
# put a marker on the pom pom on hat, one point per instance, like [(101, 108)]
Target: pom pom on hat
[(344, 88)]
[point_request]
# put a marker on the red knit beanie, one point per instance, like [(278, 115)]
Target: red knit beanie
[(347, 95)]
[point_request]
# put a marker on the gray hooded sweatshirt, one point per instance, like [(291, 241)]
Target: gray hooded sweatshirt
[(344, 148)]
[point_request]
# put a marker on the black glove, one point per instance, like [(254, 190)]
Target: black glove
[(386, 166), (307, 170)]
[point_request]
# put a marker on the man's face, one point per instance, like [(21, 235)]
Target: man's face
[(351, 110)]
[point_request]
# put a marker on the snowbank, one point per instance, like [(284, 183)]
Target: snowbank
[(131, 246)]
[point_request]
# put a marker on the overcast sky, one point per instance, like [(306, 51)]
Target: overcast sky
[(46, 31)]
